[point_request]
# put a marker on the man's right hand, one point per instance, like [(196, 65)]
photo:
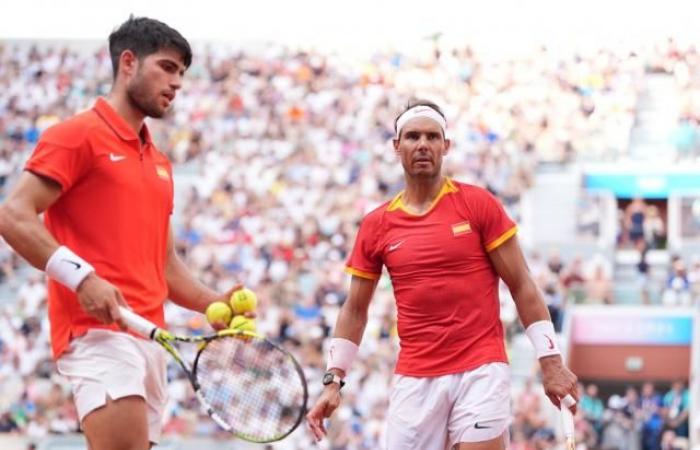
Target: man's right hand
[(324, 407), (101, 299)]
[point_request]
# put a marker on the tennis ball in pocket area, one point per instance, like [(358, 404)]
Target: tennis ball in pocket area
[(242, 323), (219, 314), (243, 301)]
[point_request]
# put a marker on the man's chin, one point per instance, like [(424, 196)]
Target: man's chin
[(425, 174), (157, 113)]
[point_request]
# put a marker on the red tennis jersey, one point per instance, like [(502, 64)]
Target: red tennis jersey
[(445, 286), (114, 211)]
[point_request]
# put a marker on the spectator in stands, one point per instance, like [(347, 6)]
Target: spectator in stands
[(589, 216), (7, 423), (554, 262), (599, 286), (8, 262), (593, 408), (677, 290), (544, 439), (573, 281), (654, 228), (519, 441), (643, 278), (554, 300), (669, 441), (650, 410), (694, 279), (528, 410), (633, 412), (618, 426), (676, 409), (635, 215)]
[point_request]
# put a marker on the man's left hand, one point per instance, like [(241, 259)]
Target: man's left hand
[(558, 380)]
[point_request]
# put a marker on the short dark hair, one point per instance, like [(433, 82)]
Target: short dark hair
[(145, 36), (418, 102)]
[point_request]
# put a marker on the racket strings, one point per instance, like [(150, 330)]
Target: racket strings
[(252, 385)]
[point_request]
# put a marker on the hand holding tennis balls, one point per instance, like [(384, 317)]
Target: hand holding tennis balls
[(243, 301), (219, 315)]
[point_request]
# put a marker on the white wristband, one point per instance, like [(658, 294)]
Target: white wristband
[(68, 268), (543, 338), (341, 354)]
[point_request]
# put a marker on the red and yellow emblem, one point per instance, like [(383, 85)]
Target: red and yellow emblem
[(461, 228), (162, 172)]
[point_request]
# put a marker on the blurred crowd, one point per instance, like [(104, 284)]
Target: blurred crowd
[(683, 62), (278, 154), (636, 419)]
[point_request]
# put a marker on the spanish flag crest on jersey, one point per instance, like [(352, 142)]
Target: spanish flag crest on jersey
[(162, 172), (461, 228)]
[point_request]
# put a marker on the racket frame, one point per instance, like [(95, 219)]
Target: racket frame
[(165, 339)]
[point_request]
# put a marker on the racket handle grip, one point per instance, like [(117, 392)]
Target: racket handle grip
[(138, 324), (567, 420)]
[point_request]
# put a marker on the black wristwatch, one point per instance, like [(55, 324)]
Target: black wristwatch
[(331, 377)]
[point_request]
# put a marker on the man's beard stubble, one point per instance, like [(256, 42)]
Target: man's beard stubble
[(137, 93)]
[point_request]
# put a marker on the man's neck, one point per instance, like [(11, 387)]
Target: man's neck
[(134, 117), (420, 194)]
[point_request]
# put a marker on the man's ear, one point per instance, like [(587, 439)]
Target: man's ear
[(128, 63), (448, 145)]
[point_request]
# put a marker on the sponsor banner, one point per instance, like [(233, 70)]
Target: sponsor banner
[(632, 330)]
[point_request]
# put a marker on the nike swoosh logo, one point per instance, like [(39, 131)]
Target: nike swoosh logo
[(550, 342), (116, 158), (77, 265), (393, 247), (478, 426)]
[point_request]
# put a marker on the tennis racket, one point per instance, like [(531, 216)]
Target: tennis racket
[(567, 421), (248, 385)]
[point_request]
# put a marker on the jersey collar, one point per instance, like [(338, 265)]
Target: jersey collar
[(397, 203), (117, 122)]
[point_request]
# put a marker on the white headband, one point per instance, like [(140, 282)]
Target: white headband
[(420, 111)]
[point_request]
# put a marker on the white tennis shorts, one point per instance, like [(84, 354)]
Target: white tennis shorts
[(105, 363), (435, 413)]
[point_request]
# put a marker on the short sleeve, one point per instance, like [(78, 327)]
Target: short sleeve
[(63, 164), (365, 261), (494, 224)]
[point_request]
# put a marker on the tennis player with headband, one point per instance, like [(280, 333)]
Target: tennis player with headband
[(107, 195), (445, 245)]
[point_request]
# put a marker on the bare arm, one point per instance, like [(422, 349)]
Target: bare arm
[(183, 288), (352, 318), (350, 325), (19, 218), (353, 314), (509, 262), (21, 228), (186, 290)]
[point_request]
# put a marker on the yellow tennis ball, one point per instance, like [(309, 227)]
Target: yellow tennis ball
[(219, 314), (243, 301), (242, 323)]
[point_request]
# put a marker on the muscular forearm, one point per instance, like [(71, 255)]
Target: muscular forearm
[(531, 308), (352, 318), (529, 303), (186, 290), (25, 233), (351, 323)]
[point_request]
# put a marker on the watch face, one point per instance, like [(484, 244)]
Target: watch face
[(327, 378)]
